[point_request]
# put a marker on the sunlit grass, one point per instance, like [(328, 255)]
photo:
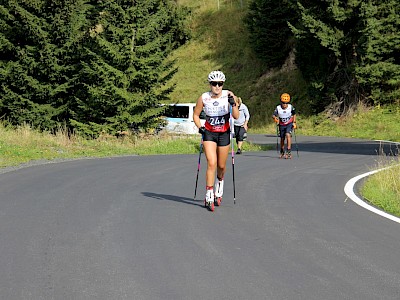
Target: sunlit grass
[(382, 189), (23, 144), (374, 123)]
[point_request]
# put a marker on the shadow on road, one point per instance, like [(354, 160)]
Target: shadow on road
[(173, 198), (332, 145), (261, 155)]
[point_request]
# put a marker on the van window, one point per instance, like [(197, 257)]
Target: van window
[(175, 111)]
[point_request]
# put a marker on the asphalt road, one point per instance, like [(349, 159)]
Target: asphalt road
[(128, 228)]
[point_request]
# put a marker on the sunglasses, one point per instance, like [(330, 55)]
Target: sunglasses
[(215, 83)]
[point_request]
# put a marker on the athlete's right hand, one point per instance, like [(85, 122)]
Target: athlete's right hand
[(202, 130), (276, 120)]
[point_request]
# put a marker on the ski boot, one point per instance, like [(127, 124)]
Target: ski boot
[(219, 191), (288, 154), (209, 200), (282, 153)]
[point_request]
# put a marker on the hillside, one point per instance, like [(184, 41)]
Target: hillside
[(220, 41)]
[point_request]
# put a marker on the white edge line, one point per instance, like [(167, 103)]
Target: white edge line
[(349, 190)]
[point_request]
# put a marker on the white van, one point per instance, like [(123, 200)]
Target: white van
[(179, 118)]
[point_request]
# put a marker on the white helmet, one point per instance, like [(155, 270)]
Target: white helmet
[(216, 76)]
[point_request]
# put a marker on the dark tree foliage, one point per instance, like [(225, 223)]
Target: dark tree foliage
[(348, 50), (93, 66), (38, 59), (270, 34), (378, 70), (125, 76), (358, 43)]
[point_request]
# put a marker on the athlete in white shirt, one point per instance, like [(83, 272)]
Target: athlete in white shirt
[(241, 125), (285, 117), (217, 104)]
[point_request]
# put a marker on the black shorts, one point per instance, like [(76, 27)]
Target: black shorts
[(240, 133), (221, 138), (285, 129)]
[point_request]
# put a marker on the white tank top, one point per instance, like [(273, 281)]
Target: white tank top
[(217, 112), (285, 115)]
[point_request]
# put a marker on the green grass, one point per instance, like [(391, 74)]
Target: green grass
[(374, 123), (23, 144), (383, 188), (220, 41)]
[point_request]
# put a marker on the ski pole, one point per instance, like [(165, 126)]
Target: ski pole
[(233, 158), (295, 140), (277, 134), (198, 167)]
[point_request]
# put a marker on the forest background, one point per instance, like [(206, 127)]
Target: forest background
[(97, 67)]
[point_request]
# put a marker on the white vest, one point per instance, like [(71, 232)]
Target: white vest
[(285, 115), (217, 112)]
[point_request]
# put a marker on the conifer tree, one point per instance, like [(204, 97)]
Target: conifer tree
[(40, 57), (270, 34), (125, 75), (378, 70), (357, 40), (24, 50), (91, 65)]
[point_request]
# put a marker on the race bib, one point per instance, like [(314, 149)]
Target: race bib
[(216, 121)]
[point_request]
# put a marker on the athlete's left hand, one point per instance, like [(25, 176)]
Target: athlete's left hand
[(231, 100)]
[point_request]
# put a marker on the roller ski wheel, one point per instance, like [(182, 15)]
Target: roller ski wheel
[(282, 156), (288, 155), (209, 205), (218, 201)]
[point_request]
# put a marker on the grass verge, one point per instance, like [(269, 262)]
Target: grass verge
[(23, 144), (383, 188)]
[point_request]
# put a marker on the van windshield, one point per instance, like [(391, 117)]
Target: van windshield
[(181, 111), (175, 111)]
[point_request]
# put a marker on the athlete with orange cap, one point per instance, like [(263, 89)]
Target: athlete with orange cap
[(285, 117)]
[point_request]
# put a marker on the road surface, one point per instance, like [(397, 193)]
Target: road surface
[(128, 228)]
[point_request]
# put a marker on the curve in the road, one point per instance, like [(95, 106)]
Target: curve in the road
[(349, 190)]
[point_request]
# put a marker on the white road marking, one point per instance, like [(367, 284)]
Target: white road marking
[(349, 190)]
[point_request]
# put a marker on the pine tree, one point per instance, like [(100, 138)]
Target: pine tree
[(379, 48), (332, 28), (357, 41), (90, 65), (270, 34), (24, 50), (124, 76), (40, 49)]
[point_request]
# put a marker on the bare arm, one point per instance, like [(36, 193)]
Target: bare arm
[(247, 116), (197, 111)]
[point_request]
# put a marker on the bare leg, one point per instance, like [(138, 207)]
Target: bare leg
[(289, 141), (210, 150), (222, 154)]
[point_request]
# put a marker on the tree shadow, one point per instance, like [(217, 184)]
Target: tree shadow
[(259, 154), (175, 198), (332, 145)]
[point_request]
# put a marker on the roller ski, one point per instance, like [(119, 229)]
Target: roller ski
[(219, 191), (282, 154), (209, 200), (288, 154)]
